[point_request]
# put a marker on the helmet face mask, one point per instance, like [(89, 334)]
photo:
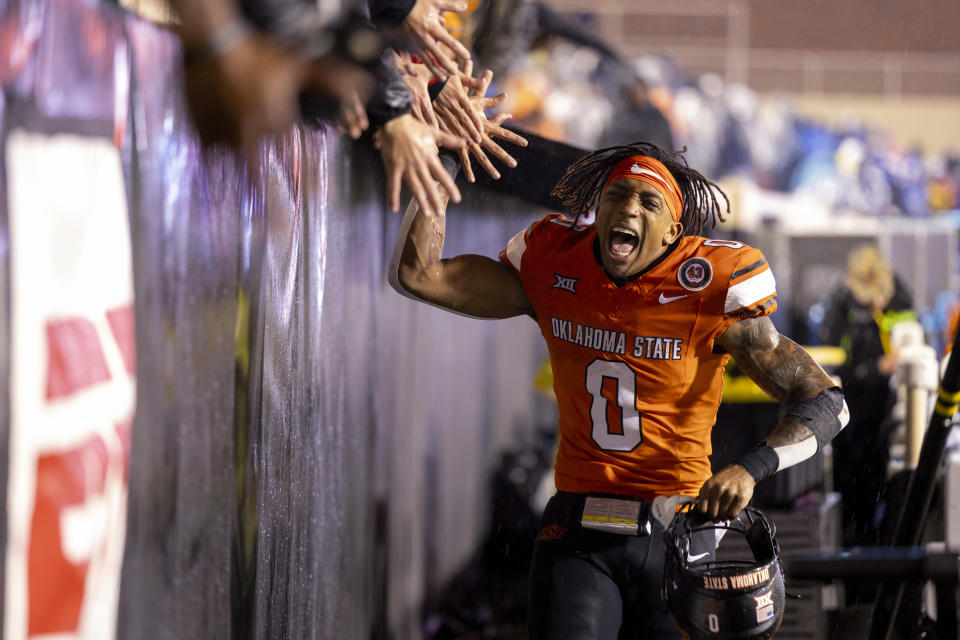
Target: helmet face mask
[(742, 599)]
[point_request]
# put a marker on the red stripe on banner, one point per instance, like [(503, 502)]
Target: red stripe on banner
[(65, 483), (75, 357), (122, 327)]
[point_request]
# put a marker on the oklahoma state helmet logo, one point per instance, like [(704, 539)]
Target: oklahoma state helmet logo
[(695, 274)]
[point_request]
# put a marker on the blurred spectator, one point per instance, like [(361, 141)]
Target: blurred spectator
[(639, 120), (912, 176), (860, 313), (942, 187)]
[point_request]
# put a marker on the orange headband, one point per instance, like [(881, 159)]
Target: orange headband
[(653, 172)]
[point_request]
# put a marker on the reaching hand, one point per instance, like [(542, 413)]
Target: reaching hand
[(492, 128), (244, 93), (251, 90), (409, 151), (417, 78), (724, 496), (456, 112), (352, 117), (425, 25)]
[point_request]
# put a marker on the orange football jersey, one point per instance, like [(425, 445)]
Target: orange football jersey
[(636, 378)]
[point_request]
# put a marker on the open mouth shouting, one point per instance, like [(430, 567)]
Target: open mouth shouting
[(622, 242)]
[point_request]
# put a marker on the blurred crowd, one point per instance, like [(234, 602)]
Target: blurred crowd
[(564, 90)]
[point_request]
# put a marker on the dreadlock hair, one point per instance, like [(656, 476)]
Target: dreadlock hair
[(582, 184)]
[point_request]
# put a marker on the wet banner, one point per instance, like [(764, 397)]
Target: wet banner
[(217, 418), (72, 377)]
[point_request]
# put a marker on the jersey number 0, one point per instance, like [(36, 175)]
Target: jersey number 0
[(626, 381)]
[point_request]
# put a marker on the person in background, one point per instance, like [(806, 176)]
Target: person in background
[(640, 119), (861, 310)]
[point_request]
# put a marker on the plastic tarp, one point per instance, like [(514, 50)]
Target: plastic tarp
[(310, 451)]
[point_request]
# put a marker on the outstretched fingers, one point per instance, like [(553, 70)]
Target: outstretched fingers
[(481, 157), (441, 35), (430, 188), (394, 178), (436, 59), (491, 102), (469, 117), (416, 186), (450, 141), (483, 82), (465, 164), (499, 153), (505, 134)]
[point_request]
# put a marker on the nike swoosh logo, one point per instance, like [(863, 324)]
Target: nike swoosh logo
[(691, 558), (665, 300)]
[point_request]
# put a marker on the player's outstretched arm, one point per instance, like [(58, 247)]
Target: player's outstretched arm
[(816, 412), (471, 285)]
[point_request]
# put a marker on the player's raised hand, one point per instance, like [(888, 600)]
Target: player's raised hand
[(426, 27), (724, 495), (456, 111), (409, 151), (492, 128)]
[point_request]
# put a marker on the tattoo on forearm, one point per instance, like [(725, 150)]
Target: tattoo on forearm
[(780, 367), (787, 372), (777, 364)]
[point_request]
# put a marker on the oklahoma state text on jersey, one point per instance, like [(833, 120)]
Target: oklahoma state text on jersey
[(637, 382)]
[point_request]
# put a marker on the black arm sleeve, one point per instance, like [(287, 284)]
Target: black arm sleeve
[(293, 23), (386, 14), (434, 89), (391, 98)]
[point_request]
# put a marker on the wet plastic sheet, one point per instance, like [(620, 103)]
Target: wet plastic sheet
[(185, 224), (310, 450)]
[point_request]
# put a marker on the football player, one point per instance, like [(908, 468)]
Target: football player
[(640, 314)]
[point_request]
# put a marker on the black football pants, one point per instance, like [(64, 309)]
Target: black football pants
[(593, 585)]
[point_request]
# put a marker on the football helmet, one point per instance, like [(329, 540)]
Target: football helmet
[(728, 599)]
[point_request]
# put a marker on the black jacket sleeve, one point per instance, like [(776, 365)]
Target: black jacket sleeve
[(835, 318), (391, 98), (386, 14)]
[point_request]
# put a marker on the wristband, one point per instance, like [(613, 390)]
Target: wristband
[(760, 462), (435, 87), (386, 15), (223, 39)]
